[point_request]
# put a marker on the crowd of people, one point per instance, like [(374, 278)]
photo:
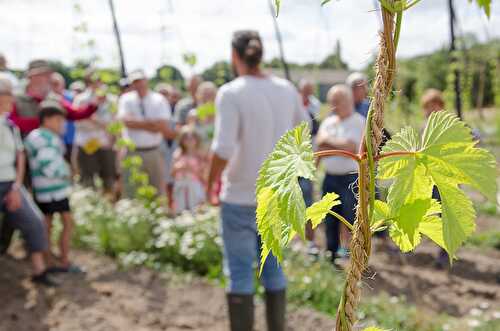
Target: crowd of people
[(204, 148)]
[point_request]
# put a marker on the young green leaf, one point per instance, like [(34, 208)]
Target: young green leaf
[(485, 5), (372, 328), (446, 156), (281, 211), (318, 211), (277, 4)]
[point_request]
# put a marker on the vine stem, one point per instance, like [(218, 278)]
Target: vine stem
[(393, 154), (361, 238), (336, 152), (342, 219)]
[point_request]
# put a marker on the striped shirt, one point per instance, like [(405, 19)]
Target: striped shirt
[(50, 173)]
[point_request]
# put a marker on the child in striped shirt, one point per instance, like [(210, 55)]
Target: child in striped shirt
[(50, 176)]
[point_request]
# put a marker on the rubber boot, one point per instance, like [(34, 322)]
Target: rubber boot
[(241, 312), (275, 310)]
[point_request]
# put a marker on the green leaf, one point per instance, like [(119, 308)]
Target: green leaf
[(373, 328), (445, 156), (485, 5), (281, 211), (427, 224), (318, 211), (277, 4)]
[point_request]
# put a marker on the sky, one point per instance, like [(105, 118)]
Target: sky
[(155, 32)]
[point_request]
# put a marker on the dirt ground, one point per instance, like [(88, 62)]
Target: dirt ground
[(108, 299)]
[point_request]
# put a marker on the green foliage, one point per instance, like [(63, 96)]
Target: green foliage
[(190, 59), (490, 239), (281, 211), (318, 211), (141, 234), (485, 5), (445, 156)]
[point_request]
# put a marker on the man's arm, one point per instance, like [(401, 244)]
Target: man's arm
[(217, 166), (75, 113)]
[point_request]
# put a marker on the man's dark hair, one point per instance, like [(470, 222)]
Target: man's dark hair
[(248, 45), (50, 111)]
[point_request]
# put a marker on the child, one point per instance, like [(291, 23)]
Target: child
[(50, 176), (188, 171), (203, 116)]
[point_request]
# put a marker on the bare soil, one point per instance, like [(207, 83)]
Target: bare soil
[(109, 299)]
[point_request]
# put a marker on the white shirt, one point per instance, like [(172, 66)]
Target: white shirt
[(155, 107), (252, 114), (14, 81), (350, 128), (10, 145), (88, 129)]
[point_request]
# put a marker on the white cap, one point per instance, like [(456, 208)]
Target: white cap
[(356, 78), (5, 84), (136, 75)]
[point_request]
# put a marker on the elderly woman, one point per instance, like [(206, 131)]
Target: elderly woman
[(17, 211), (342, 130)]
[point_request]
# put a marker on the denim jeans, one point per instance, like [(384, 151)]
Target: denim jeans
[(307, 191), (242, 247), (345, 186)]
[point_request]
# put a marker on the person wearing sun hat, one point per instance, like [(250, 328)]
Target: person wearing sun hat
[(26, 106)]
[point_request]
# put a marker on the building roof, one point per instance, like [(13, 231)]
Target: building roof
[(316, 76)]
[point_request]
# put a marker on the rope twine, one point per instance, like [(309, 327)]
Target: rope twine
[(361, 240)]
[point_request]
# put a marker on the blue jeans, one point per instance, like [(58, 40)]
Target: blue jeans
[(307, 191), (345, 187), (242, 247)]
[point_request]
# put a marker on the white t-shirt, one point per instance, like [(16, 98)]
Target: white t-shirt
[(87, 129), (350, 128), (252, 114), (155, 107)]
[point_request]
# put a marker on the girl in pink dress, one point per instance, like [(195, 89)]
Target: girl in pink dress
[(188, 171)]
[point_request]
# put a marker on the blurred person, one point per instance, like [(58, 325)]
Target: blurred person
[(6, 73), (312, 107), (185, 105), (51, 179), (253, 112), (311, 103), (16, 207), (203, 116), (125, 85), (95, 154), (169, 146), (146, 115), (188, 170), (358, 82), (26, 106), (174, 96), (433, 101), (342, 130), (58, 86), (77, 87)]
